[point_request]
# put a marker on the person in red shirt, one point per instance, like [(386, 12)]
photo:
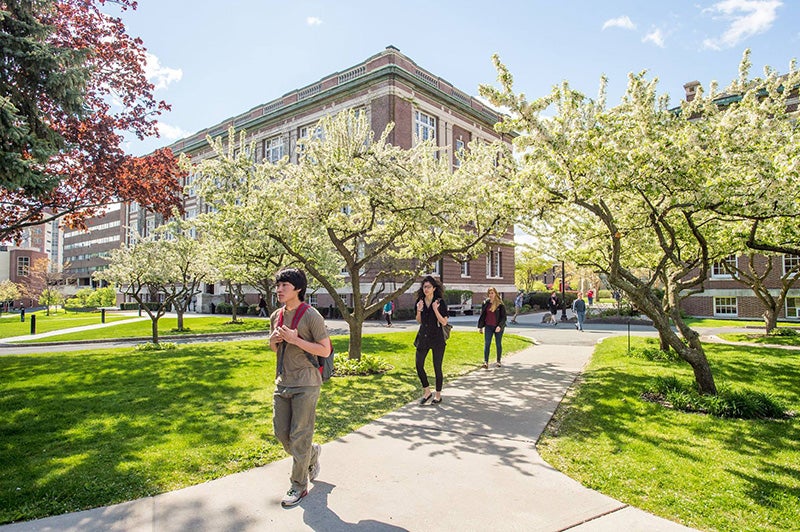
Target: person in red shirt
[(493, 321)]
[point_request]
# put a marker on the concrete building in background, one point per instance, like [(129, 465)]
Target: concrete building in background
[(387, 87), (86, 251)]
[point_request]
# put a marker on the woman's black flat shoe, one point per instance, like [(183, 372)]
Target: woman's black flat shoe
[(425, 399), (436, 401)]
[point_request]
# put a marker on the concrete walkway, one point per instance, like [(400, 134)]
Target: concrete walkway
[(469, 463)]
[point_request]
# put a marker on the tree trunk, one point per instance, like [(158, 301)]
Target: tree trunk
[(179, 311), (356, 334), (664, 343), (770, 319), (154, 321), (691, 351)]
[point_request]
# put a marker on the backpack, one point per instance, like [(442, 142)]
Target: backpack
[(323, 364)]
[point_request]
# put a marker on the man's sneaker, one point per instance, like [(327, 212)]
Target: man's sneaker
[(292, 497), (314, 468)]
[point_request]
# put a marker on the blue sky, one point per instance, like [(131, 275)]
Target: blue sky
[(214, 60)]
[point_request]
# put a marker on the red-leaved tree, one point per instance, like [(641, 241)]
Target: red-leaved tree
[(73, 83)]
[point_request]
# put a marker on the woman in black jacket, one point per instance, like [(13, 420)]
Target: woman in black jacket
[(493, 320), (431, 316)]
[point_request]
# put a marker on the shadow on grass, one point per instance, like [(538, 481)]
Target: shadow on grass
[(606, 424), (76, 427)]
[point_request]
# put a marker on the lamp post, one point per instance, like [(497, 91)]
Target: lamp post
[(563, 298)]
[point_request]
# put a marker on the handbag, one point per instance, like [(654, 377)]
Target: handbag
[(446, 331)]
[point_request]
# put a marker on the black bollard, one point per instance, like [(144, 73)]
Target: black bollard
[(22, 314), (102, 315), (629, 337), (33, 323)]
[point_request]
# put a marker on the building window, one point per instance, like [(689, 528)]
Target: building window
[(790, 262), (793, 307), (725, 306), (311, 299), (307, 132), (273, 149), (464, 268), (459, 153), (23, 266), (424, 126), (718, 270), (494, 261)]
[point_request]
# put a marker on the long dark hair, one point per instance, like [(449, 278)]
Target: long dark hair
[(438, 290)]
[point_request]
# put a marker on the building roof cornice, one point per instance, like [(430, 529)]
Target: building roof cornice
[(389, 63)]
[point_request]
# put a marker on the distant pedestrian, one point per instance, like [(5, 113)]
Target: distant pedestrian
[(298, 380), (579, 308), (262, 307), (493, 320), (431, 316), (388, 309), (552, 305), (517, 306), (590, 296)]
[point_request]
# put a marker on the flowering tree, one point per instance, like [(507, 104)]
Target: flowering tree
[(355, 203), (9, 291), (639, 191), (164, 270), (71, 81)]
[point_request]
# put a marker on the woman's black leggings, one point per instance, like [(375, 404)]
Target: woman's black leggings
[(438, 357)]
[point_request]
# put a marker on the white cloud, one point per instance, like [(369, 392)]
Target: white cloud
[(313, 21), (158, 75), (747, 18), (169, 132), (623, 22), (656, 37)]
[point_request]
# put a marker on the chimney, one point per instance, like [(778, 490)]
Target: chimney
[(691, 90)]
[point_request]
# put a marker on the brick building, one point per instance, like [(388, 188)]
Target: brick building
[(387, 87), (723, 297)]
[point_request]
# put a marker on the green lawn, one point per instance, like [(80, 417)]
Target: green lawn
[(93, 428), (705, 472), (714, 322), (143, 328), (11, 326), (761, 339)]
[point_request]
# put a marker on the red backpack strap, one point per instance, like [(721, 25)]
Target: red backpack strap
[(297, 315)]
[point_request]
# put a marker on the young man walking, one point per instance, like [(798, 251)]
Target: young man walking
[(298, 380), (579, 308), (517, 306)]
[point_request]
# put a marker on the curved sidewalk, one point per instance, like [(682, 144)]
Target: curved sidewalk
[(469, 463)]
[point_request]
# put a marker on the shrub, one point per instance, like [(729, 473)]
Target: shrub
[(227, 308), (367, 365), (654, 353), (783, 331), (133, 305), (728, 403), (150, 346)]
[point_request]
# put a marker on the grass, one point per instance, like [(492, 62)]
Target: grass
[(85, 429), (10, 325), (761, 339), (715, 322), (143, 328), (702, 471)]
